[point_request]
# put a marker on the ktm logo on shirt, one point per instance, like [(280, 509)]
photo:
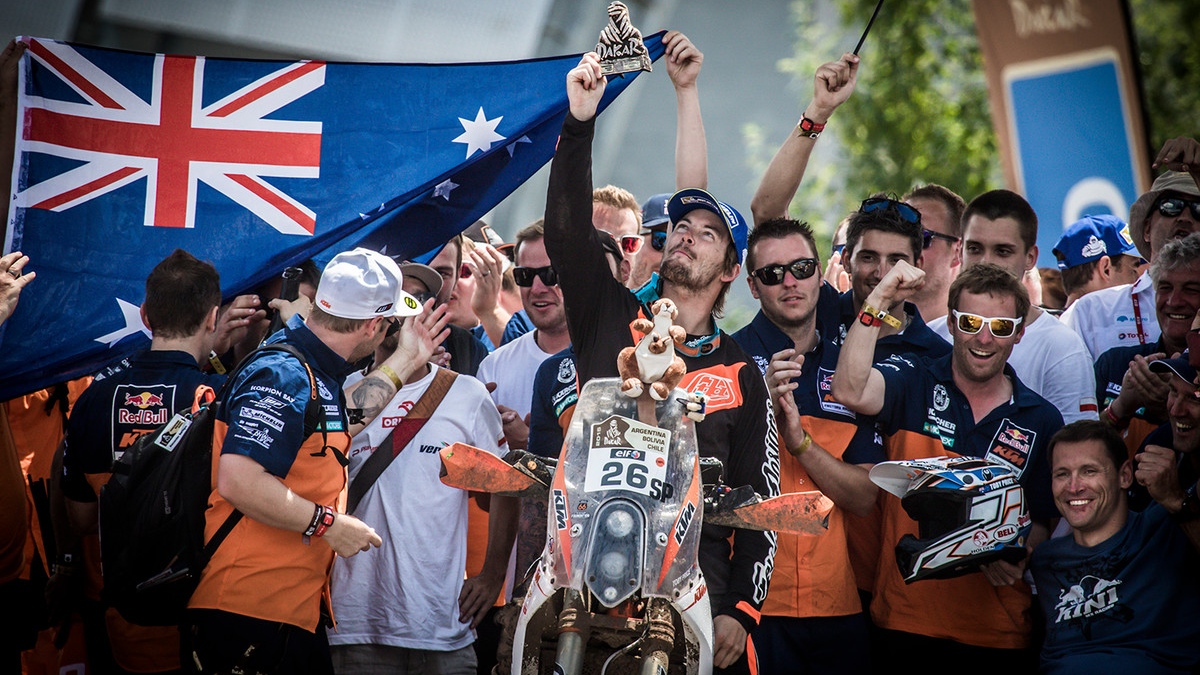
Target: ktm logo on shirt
[(718, 383)]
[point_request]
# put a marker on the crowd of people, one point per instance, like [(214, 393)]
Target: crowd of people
[(928, 332)]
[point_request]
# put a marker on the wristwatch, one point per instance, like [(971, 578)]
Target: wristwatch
[(1189, 508)]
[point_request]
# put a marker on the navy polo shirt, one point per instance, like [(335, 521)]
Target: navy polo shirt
[(555, 393), (123, 402), (266, 403), (917, 338), (814, 399)]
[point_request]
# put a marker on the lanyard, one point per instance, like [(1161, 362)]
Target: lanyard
[(1137, 319)]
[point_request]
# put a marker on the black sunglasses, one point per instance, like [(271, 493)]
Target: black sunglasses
[(658, 239), (393, 327), (772, 275), (1173, 206), (524, 275), (927, 237), (907, 213)]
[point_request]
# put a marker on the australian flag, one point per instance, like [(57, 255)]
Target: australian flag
[(123, 157)]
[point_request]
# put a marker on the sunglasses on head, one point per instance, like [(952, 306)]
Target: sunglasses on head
[(658, 239), (1173, 206), (772, 275), (524, 276), (907, 213), (927, 237), (631, 243), (1000, 326)]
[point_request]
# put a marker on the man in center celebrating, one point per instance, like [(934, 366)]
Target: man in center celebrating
[(701, 258)]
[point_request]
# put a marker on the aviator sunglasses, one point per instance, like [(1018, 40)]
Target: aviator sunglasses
[(1000, 326), (1173, 206), (524, 275), (773, 275)]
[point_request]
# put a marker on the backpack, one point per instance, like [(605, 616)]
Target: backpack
[(152, 546)]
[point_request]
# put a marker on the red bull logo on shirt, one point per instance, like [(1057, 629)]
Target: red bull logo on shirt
[(142, 406)]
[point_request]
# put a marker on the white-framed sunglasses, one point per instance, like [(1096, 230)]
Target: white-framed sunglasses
[(1000, 326)]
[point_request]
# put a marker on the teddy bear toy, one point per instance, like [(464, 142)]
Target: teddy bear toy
[(652, 364)]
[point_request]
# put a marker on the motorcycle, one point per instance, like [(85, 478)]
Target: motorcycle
[(618, 587)]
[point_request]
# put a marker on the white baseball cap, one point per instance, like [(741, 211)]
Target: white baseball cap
[(364, 284)]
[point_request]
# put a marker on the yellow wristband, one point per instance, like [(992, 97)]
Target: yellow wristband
[(215, 362), (803, 447), (883, 316), (391, 375)]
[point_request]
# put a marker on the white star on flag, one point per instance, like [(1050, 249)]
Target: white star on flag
[(512, 147), (443, 189), (480, 133), (133, 323)]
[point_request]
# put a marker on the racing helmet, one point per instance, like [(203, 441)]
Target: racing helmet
[(969, 512)]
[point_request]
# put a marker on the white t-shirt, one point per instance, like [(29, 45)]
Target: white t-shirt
[(1053, 361), (405, 594), (940, 327), (1107, 318), (512, 367)]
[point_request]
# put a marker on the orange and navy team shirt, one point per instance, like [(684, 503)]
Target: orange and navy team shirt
[(125, 401), (925, 415), (261, 571), (813, 576)]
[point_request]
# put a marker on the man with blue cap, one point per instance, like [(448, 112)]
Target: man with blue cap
[(702, 255), (1096, 252)]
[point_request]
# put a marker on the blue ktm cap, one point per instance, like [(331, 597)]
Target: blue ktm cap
[(690, 199), (1091, 237)]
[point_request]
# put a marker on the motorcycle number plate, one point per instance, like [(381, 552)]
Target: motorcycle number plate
[(624, 454)]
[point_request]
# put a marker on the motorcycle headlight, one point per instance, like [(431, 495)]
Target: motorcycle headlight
[(615, 555)]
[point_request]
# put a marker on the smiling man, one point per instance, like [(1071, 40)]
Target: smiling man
[(1134, 398), (968, 404), (1119, 594), (1000, 227)]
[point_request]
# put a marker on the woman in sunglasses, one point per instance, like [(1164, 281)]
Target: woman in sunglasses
[(970, 403)]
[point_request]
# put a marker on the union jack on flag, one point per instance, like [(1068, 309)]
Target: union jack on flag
[(123, 157), (174, 141)]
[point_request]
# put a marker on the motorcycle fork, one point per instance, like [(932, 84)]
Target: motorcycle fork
[(573, 628), (660, 637)]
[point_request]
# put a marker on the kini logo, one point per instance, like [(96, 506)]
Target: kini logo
[(560, 509), (685, 520), (718, 383), (1090, 597)]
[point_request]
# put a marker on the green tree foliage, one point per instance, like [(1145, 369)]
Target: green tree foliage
[(920, 113), (1169, 62)]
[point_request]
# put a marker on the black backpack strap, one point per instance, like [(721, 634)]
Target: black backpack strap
[(219, 536), (314, 416)]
